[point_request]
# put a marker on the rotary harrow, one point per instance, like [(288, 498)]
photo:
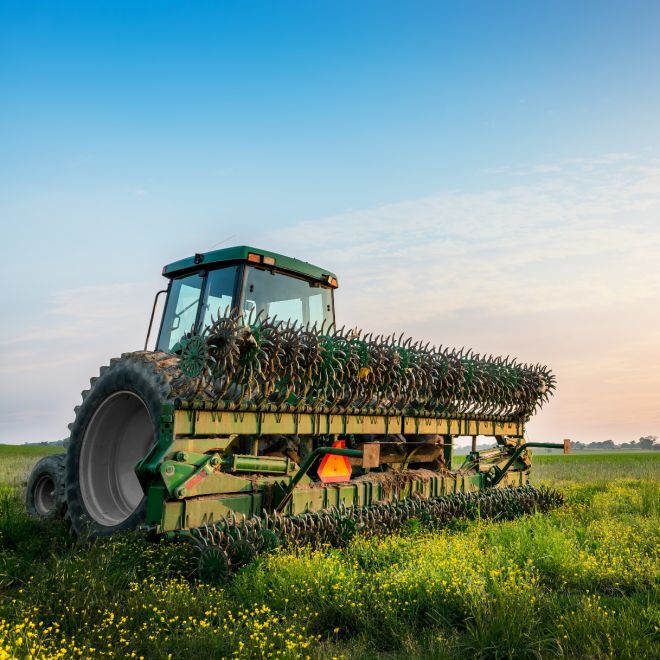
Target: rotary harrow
[(256, 423), (227, 545), (262, 363)]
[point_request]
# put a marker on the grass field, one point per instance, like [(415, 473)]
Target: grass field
[(17, 460), (580, 582)]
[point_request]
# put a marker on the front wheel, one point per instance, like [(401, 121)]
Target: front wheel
[(44, 495)]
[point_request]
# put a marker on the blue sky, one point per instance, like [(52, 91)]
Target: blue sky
[(477, 173)]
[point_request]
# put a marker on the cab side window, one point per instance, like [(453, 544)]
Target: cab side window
[(181, 310)]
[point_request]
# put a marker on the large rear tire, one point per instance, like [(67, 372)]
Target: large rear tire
[(115, 426), (44, 495)]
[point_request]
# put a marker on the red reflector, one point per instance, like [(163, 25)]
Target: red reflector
[(254, 257), (334, 469)]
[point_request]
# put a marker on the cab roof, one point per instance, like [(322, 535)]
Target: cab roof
[(245, 253)]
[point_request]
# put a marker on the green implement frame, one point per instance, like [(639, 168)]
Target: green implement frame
[(196, 474)]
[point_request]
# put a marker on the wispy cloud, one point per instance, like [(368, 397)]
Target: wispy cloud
[(79, 313), (577, 237), (43, 367), (584, 163), (563, 268), (560, 267)]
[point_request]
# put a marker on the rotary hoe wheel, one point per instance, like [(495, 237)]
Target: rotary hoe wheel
[(214, 565), (115, 427)]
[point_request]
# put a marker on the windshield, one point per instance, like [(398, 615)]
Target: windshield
[(287, 297)]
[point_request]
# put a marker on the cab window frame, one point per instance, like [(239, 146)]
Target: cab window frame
[(201, 273)]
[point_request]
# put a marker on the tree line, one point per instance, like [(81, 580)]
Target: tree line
[(646, 443)]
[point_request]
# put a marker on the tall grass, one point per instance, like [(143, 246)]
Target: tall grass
[(598, 467), (16, 461), (580, 582)]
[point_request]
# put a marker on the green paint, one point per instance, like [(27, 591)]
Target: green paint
[(262, 464), (239, 254)]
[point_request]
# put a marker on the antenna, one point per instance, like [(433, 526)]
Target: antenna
[(224, 240)]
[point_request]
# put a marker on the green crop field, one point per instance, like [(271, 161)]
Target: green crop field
[(580, 582), (17, 460)]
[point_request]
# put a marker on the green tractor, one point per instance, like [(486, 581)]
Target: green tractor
[(257, 419)]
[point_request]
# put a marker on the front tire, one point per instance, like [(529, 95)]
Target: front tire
[(44, 495)]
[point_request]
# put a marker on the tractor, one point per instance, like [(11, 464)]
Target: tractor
[(256, 419)]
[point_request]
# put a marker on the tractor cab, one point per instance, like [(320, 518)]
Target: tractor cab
[(206, 286)]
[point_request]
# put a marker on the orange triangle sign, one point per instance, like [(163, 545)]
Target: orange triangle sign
[(334, 469)]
